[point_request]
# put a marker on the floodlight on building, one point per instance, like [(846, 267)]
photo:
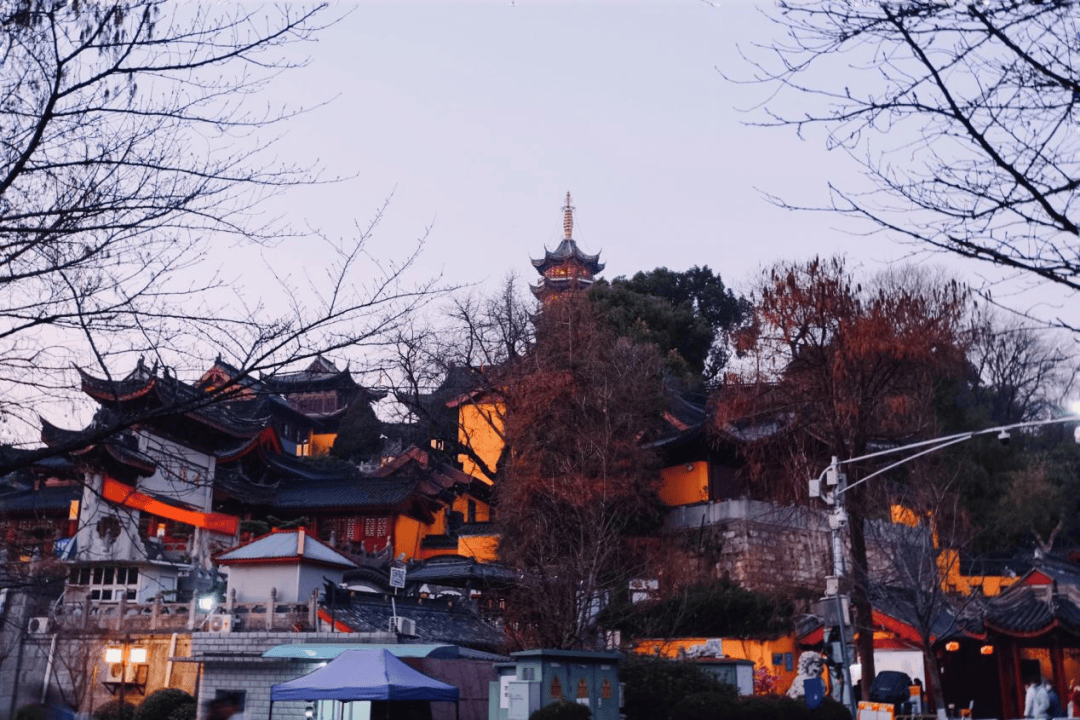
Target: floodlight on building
[(113, 655), (138, 655), (206, 603)]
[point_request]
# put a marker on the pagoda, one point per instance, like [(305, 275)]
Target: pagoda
[(567, 268)]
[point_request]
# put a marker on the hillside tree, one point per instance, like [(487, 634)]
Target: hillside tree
[(835, 365), (580, 480)]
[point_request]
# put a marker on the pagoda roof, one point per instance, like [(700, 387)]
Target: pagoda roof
[(568, 251), (160, 394), (118, 448), (320, 375)]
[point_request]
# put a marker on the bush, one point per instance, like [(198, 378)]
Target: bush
[(161, 704), (184, 712), (653, 686), (705, 706), (562, 710), (830, 710), (113, 711), (30, 712)]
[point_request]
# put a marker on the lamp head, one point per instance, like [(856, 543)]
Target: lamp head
[(1003, 437)]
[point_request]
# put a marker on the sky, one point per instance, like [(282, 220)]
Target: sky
[(479, 117)]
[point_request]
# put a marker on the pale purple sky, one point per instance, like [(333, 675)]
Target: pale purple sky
[(480, 116)]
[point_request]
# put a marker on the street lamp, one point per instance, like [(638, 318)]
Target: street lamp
[(122, 655), (838, 517)]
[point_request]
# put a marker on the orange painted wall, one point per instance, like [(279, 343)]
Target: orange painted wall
[(461, 505), (480, 427), (682, 486), (321, 443), (760, 652), (482, 547), (407, 536)]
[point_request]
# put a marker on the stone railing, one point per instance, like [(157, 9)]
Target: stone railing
[(160, 616)]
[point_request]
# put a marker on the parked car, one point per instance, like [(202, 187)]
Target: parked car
[(893, 687)]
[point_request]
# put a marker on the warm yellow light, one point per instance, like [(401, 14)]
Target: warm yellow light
[(138, 655), (987, 649), (73, 510), (952, 646), (113, 655)]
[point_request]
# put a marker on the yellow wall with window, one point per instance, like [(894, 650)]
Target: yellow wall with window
[(685, 484), (760, 652)]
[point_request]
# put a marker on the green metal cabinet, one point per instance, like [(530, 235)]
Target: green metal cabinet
[(547, 676)]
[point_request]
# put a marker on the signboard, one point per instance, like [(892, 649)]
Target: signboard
[(397, 577)]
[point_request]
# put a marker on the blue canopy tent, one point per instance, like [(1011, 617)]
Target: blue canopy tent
[(364, 675)]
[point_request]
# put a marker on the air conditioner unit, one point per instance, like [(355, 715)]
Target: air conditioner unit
[(222, 623), (38, 625), (131, 672), (403, 626)]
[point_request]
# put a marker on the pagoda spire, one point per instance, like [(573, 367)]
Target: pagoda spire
[(568, 217), (566, 268)]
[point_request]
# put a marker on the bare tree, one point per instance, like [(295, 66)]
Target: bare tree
[(1021, 372), (132, 150), (963, 116)]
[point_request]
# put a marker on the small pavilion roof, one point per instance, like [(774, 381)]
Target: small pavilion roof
[(285, 546)]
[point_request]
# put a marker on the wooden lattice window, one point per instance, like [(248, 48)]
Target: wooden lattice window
[(582, 688), (556, 687)]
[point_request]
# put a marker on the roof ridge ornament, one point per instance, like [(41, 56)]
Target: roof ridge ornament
[(568, 217)]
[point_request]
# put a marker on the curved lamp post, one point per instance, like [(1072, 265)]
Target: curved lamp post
[(838, 518)]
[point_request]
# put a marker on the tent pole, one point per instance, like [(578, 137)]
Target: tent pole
[(457, 709), (270, 716)]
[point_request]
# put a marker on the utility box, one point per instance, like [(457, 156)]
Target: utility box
[(541, 677), (524, 698)]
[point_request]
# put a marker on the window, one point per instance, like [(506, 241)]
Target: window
[(107, 583)]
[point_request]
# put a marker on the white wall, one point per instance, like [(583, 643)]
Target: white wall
[(294, 582), (183, 474)]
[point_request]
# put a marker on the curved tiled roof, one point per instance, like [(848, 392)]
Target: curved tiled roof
[(566, 251)]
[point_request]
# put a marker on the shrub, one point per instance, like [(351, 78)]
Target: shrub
[(30, 712), (830, 710), (653, 686), (706, 706), (112, 710), (184, 712), (161, 704), (562, 710)]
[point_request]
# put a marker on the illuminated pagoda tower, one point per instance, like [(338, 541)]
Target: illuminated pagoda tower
[(567, 268)]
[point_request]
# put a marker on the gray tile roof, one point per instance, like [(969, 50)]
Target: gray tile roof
[(283, 545), (435, 621)]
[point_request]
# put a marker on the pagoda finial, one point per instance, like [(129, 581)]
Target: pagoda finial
[(568, 217)]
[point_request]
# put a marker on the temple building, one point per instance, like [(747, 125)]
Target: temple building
[(567, 268)]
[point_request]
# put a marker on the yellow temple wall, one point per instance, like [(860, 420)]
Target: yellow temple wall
[(480, 427), (685, 484)]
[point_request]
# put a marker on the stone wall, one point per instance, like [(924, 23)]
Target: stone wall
[(761, 546)]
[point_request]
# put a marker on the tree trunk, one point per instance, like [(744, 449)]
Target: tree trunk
[(933, 675)]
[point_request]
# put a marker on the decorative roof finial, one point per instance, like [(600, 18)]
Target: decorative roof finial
[(568, 217)]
